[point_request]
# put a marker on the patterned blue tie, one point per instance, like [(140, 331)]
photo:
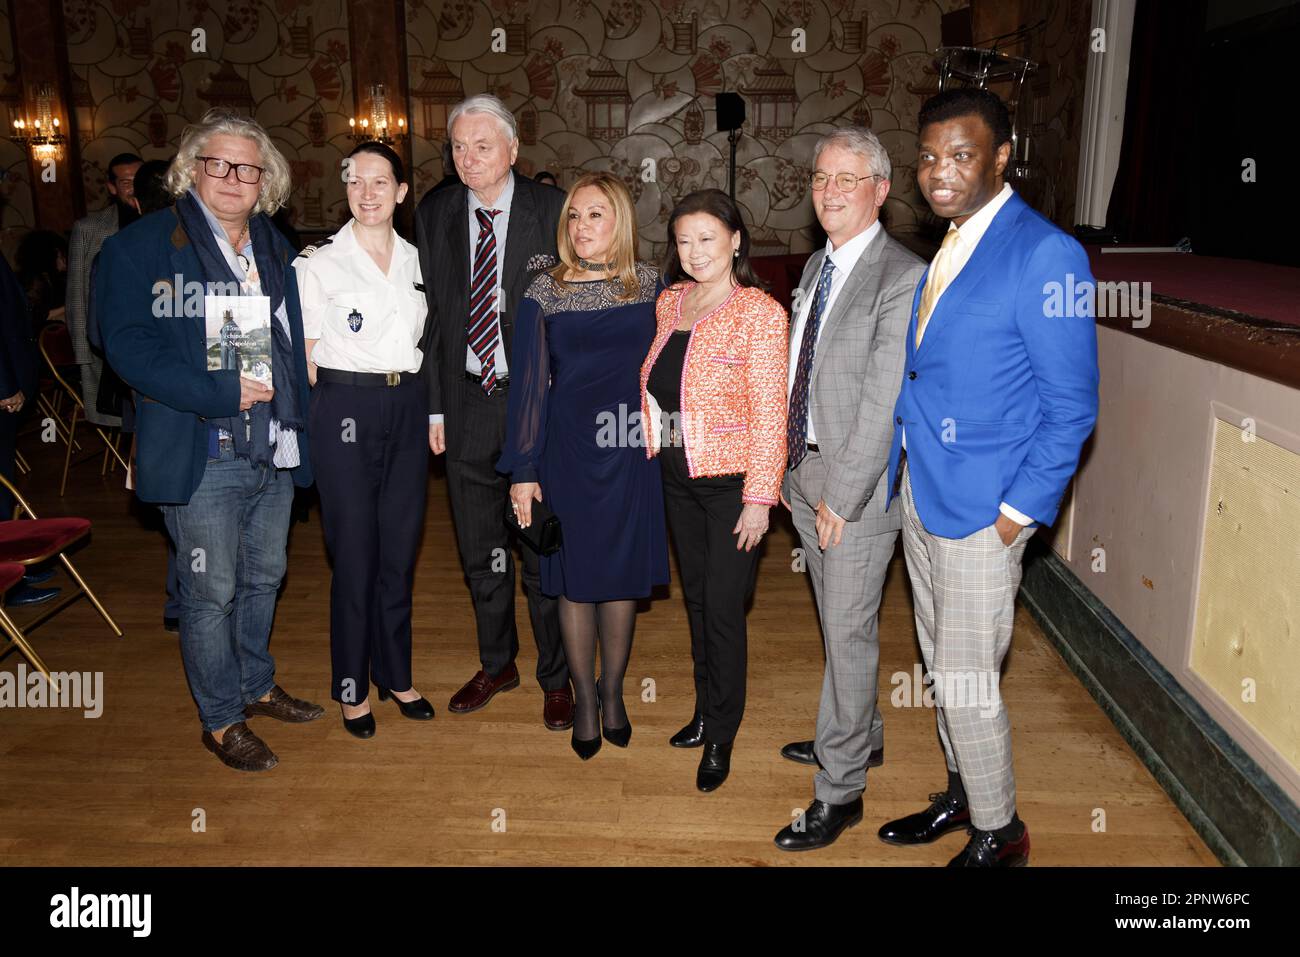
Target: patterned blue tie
[(797, 423)]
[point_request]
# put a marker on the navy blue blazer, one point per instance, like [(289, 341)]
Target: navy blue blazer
[(1002, 393), (160, 352)]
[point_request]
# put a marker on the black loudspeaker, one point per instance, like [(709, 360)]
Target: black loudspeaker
[(731, 111)]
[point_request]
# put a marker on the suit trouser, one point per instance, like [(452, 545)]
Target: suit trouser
[(964, 592), (847, 580), (9, 422), (479, 499), (717, 580), (370, 456)]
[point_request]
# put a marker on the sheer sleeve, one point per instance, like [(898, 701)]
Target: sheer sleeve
[(530, 384)]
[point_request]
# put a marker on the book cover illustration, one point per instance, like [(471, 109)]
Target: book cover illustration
[(239, 335)]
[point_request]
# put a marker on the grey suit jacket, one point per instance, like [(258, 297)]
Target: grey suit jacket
[(856, 374), (88, 234)]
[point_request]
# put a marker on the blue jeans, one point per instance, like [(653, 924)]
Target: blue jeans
[(230, 558)]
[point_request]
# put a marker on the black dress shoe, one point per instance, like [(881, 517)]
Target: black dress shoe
[(819, 826), (944, 814), (691, 736), (172, 624), (802, 752), (38, 576), (715, 765), (986, 849), (27, 595), (418, 710), (362, 727)]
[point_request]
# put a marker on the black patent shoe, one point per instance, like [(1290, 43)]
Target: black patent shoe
[(986, 849), (804, 752), (819, 826), (417, 710), (691, 736), (715, 765), (944, 814)]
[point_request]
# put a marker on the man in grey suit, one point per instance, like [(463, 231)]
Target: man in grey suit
[(88, 234), (847, 347)]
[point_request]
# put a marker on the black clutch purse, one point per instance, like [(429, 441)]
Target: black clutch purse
[(542, 534)]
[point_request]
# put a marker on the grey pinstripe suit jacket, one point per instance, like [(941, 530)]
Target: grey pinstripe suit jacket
[(88, 234), (856, 374)]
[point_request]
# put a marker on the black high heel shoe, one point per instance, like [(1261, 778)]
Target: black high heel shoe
[(418, 710), (362, 727), (585, 748), (618, 737)]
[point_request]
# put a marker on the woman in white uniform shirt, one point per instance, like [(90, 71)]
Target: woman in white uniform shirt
[(364, 309)]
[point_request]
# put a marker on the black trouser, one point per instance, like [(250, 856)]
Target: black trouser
[(370, 456), (9, 422), (479, 499), (717, 580)]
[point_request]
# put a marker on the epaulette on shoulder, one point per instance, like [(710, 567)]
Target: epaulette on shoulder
[(309, 251)]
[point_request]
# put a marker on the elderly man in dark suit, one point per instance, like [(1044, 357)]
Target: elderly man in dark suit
[(474, 239), (88, 235)]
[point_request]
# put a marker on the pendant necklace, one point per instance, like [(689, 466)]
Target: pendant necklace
[(239, 245)]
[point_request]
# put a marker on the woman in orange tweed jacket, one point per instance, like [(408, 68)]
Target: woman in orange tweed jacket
[(713, 406)]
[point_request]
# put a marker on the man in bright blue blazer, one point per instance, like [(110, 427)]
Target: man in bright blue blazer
[(999, 393), (220, 453)]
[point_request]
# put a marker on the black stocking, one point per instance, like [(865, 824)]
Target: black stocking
[(578, 632), (616, 620)]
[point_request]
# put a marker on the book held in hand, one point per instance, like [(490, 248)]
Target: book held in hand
[(239, 335)]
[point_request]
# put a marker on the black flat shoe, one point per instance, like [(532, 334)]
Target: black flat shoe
[(715, 765), (417, 710), (691, 736), (803, 752), (819, 826), (585, 748), (362, 727)]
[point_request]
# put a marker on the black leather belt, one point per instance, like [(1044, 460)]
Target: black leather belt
[(501, 384), (365, 378)]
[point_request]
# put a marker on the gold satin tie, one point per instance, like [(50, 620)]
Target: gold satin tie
[(936, 282)]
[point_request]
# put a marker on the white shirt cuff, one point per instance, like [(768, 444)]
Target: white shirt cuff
[(435, 419), (1020, 518)]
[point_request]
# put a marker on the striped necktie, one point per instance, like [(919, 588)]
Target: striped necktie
[(483, 330)]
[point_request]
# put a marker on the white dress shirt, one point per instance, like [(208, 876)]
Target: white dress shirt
[(339, 280), (969, 235), (844, 258)]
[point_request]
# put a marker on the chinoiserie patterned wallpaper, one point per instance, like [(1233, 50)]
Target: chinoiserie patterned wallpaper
[(137, 81), (608, 84), (16, 214)]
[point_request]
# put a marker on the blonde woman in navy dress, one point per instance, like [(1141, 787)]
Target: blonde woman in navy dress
[(363, 309), (573, 441)]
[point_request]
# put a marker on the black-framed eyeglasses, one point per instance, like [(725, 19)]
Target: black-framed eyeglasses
[(218, 168), (847, 182)]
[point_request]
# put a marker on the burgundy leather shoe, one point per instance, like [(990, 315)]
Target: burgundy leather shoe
[(986, 849), (480, 689), (557, 711), (944, 814), (240, 749), (284, 707)]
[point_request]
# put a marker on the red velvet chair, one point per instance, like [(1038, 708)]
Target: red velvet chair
[(34, 540), (11, 573)]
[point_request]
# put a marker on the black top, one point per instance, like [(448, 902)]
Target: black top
[(665, 382)]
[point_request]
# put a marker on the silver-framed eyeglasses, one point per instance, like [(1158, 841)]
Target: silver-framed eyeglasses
[(218, 168), (847, 182)]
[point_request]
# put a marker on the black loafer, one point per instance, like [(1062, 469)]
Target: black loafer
[(691, 736), (802, 752), (362, 727), (944, 814), (715, 765), (819, 826), (27, 595), (417, 710), (986, 849)]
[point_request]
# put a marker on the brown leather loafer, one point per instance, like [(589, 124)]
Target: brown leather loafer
[(557, 711), (481, 689), (240, 749), (284, 707)]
